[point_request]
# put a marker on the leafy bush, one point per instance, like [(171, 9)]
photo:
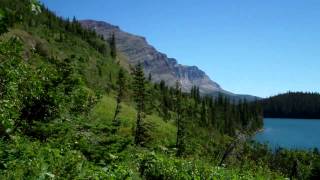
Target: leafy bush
[(82, 99), (153, 166), (22, 159), (17, 83)]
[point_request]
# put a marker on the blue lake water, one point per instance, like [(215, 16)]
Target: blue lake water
[(290, 133)]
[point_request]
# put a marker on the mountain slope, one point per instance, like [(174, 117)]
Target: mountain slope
[(161, 67)]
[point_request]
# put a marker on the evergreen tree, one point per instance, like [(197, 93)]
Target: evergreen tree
[(195, 93), (203, 115), (166, 101), (150, 77), (198, 97), (139, 98), (162, 86), (149, 98), (211, 112), (113, 47), (121, 88), (180, 142)]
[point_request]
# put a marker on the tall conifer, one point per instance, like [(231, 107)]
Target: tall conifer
[(180, 142), (139, 98), (120, 87), (113, 46)]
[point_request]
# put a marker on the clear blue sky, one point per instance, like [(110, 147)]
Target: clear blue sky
[(249, 46)]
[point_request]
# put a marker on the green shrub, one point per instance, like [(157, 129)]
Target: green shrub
[(22, 159), (162, 167)]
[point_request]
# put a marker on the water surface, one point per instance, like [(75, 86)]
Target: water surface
[(290, 133)]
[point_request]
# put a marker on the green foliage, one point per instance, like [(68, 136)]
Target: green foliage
[(139, 88), (181, 136), (22, 159), (38, 93), (153, 166), (3, 22), (113, 47), (296, 164), (82, 100), (121, 83), (35, 6), (315, 171), (20, 85)]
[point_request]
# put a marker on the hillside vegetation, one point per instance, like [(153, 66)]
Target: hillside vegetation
[(68, 110)]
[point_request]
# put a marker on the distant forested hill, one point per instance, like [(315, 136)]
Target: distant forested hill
[(293, 105)]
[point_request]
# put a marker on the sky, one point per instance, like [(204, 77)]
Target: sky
[(252, 47)]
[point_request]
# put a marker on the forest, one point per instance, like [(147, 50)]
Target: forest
[(292, 105), (70, 110)]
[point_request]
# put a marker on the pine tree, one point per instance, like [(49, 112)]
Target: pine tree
[(203, 115), (149, 97), (180, 142), (113, 47), (162, 86), (139, 98), (150, 77), (61, 37), (121, 87), (195, 93)]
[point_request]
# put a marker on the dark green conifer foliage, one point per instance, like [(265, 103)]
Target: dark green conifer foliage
[(139, 98), (166, 101), (150, 77), (180, 142), (292, 105), (149, 98), (121, 82), (195, 94), (315, 171), (113, 46), (3, 22), (110, 78), (203, 115)]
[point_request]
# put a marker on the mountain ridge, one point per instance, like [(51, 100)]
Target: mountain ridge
[(137, 49)]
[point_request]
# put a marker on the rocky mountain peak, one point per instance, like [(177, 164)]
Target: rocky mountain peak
[(161, 67)]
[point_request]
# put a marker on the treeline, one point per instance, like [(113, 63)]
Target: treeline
[(220, 113), (171, 103), (292, 105)]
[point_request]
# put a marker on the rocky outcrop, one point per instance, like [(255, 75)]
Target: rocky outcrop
[(137, 49)]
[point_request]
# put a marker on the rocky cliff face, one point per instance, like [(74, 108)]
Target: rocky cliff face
[(137, 49)]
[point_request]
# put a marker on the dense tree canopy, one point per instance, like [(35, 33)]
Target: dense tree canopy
[(293, 105)]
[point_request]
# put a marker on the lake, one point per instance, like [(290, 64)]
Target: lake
[(290, 133)]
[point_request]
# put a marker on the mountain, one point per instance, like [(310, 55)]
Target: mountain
[(161, 67)]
